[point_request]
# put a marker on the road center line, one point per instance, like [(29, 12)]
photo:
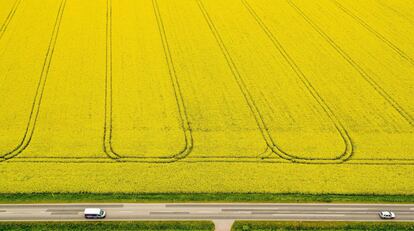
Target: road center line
[(347, 208)]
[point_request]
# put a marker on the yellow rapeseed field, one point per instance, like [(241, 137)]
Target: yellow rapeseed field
[(207, 96)]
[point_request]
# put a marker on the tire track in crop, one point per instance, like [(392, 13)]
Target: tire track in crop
[(222, 123), (175, 84), (355, 65), (397, 12), (40, 89), (108, 84), (259, 118), (109, 161), (191, 160), (384, 162), (374, 32), (262, 158), (264, 155), (347, 153), (9, 17), (288, 110), (383, 134)]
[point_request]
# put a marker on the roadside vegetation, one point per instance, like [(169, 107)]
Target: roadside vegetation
[(315, 225), (200, 197), (112, 225)]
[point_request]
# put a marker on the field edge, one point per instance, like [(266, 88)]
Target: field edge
[(320, 225), (107, 225)]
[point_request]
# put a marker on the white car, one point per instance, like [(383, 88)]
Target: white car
[(387, 215), (94, 213)]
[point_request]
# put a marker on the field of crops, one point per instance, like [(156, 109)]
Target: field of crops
[(207, 96)]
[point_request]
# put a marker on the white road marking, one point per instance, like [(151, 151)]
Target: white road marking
[(347, 208), (310, 215)]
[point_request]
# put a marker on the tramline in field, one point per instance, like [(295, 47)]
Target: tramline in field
[(324, 88)]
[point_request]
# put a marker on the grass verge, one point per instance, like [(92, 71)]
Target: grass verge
[(110, 225), (200, 197), (315, 225)]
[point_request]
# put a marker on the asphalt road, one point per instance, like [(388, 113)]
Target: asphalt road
[(207, 211)]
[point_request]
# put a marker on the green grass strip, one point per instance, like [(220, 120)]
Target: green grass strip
[(200, 197), (110, 225), (315, 225)]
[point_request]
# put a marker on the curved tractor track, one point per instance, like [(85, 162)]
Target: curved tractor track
[(31, 124), (185, 125), (272, 146), (348, 151)]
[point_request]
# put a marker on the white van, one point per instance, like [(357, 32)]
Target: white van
[(94, 213), (386, 215)]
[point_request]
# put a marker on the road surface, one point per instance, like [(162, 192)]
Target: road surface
[(207, 211)]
